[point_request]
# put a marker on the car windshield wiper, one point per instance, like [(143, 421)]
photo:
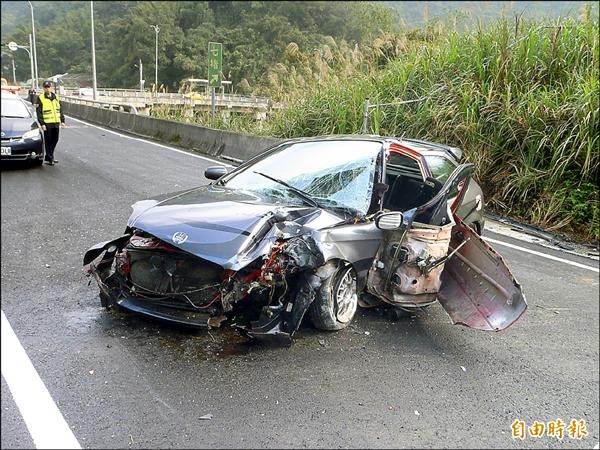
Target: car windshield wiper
[(298, 192), (332, 204)]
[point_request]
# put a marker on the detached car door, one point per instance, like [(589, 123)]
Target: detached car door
[(409, 262), (478, 289)]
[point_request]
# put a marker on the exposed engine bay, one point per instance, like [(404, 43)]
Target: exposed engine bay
[(199, 293)]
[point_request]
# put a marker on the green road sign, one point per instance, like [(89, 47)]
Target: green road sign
[(215, 64)]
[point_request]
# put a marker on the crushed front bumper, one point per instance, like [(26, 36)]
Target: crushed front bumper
[(173, 315), (188, 319)]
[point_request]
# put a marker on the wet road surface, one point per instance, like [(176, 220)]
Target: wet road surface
[(124, 382)]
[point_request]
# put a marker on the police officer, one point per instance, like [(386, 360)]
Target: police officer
[(51, 118), (31, 94)]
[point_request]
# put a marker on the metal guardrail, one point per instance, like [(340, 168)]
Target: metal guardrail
[(108, 93), (123, 107), (150, 97), (221, 103), (233, 98), (119, 105)]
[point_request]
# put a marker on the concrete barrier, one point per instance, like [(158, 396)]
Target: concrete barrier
[(236, 147)]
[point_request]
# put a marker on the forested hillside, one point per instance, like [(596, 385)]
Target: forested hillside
[(468, 13), (254, 35), (521, 98)]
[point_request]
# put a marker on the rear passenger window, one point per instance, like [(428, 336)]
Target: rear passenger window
[(440, 167), (397, 164)]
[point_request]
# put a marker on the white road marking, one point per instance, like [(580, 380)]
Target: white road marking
[(509, 231), (516, 247), (543, 255), (153, 143), (44, 421)]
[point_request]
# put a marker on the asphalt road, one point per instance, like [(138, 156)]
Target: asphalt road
[(123, 382)]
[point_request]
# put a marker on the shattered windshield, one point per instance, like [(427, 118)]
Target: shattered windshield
[(333, 173)]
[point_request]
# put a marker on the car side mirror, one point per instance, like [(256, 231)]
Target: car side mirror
[(215, 172), (389, 221)]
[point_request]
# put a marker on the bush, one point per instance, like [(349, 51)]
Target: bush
[(521, 100)]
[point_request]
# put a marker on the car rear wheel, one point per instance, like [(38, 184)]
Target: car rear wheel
[(336, 300), (37, 162)]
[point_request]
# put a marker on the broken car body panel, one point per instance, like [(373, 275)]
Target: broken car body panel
[(282, 231), (411, 259), (478, 289)]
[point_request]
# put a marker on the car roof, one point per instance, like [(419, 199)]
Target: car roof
[(428, 148), (419, 146), (338, 137)]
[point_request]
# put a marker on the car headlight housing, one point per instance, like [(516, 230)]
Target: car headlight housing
[(32, 134)]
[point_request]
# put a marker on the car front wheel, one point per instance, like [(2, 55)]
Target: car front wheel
[(336, 300)]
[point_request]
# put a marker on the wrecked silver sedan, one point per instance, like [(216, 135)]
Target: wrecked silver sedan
[(312, 226)]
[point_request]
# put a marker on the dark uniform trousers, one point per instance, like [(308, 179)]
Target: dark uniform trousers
[(51, 139)]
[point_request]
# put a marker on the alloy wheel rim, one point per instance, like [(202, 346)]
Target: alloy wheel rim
[(345, 296)]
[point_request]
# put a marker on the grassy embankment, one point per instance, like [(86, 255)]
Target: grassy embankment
[(521, 100)]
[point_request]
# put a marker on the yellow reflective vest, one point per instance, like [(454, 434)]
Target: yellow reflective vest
[(50, 109)]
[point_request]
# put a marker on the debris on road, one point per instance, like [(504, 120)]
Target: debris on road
[(417, 413), (463, 368), (206, 417)]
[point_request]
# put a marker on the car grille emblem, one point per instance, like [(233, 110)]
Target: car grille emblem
[(180, 237)]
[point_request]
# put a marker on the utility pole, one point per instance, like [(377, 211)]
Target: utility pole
[(14, 73), (35, 66), (141, 77), (156, 29), (95, 85), (31, 59)]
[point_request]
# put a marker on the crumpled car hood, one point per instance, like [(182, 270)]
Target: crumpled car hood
[(228, 227)]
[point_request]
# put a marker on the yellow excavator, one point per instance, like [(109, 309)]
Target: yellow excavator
[(197, 88)]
